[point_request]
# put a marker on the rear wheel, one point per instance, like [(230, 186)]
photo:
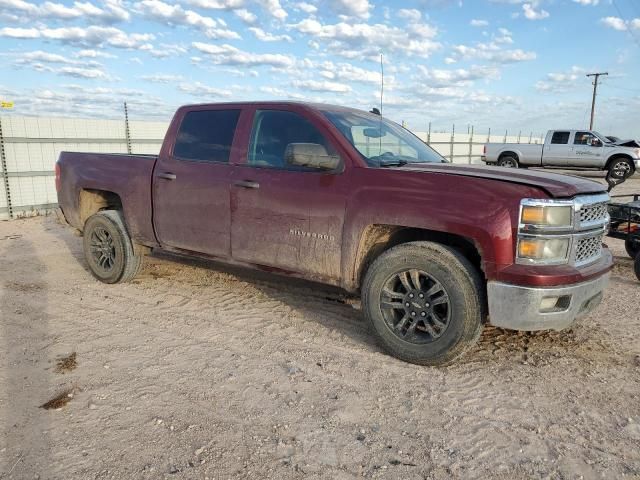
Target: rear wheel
[(636, 266), (108, 248), (423, 302), (508, 162), (620, 168)]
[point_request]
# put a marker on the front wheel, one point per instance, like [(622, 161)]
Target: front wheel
[(108, 248), (620, 168), (508, 162), (424, 303)]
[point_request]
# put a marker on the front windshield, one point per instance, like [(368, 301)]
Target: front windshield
[(382, 142), (602, 137)]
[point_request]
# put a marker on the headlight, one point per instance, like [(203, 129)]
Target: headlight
[(540, 214), (543, 250)]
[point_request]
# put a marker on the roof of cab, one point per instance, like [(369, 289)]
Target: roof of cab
[(312, 105)]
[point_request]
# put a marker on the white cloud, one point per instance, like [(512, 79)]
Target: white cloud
[(363, 40), (321, 86), (411, 14), (217, 4), (347, 72), (492, 52), (245, 15), (274, 8), (351, 8), (439, 78), (162, 78), (229, 55), (478, 23), (111, 11), (176, 15), (90, 53), (306, 7), (587, 2), (561, 81), (531, 13), (199, 89), (621, 25), (87, 37), (24, 33), (263, 36)]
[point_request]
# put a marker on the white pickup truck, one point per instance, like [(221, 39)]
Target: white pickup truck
[(580, 149)]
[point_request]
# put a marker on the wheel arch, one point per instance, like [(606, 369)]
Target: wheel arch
[(623, 156), (378, 238), (509, 153), (92, 201)]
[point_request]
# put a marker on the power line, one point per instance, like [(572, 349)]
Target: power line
[(595, 89), (628, 29)]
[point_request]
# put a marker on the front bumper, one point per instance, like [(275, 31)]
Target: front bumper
[(526, 308)]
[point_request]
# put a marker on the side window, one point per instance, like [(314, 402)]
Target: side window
[(584, 138), (273, 130), (206, 135), (561, 138)]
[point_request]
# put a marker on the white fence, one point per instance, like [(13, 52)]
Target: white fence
[(29, 148)]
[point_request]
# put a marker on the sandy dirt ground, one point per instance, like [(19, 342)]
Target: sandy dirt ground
[(200, 371)]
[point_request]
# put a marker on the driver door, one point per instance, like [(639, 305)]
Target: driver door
[(286, 217), (587, 150)]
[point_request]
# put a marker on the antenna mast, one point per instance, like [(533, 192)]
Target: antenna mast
[(381, 83)]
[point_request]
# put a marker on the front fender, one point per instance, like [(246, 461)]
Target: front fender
[(480, 210)]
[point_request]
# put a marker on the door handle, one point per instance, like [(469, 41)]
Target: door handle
[(167, 176), (246, 184)]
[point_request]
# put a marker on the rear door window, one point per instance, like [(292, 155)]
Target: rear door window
[(560, 138), (206, 135)]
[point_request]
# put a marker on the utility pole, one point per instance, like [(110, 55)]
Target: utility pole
[(595, 88)]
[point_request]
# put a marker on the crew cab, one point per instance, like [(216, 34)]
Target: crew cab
[(351, 199), (581, 149)]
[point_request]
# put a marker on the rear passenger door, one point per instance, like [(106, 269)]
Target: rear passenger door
[(283, 216), (557, 151), (191, 183)]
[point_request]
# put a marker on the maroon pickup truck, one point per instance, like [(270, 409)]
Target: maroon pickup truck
[(349, 198)]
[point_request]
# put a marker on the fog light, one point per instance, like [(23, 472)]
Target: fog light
[(555, 304), (548, 303)]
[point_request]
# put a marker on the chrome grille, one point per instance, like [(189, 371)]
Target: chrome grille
[(593, 214), (588, 249)]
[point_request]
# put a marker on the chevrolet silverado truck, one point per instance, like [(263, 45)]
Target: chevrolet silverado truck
[(580, 149), (348, 198)]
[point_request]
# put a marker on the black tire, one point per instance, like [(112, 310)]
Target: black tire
[(461, 312), (108, 249), (636, 266), (508, 161), (632, 246), (620, 168)]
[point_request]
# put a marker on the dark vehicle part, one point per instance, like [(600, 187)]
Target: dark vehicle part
[(625, 223), (424, 302), (108, 248), (508, 161)]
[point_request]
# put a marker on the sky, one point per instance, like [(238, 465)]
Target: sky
[(501, 64)]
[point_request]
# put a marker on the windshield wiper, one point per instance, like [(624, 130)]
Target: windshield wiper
[(393, 163)]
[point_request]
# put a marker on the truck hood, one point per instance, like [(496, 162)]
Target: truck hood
[(554, 184), (627, 143)]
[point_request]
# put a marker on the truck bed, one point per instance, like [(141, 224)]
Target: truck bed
[(527, 153), (127, 176)]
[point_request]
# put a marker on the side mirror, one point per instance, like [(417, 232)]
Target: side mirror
[(596, 143), (312, 155)]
